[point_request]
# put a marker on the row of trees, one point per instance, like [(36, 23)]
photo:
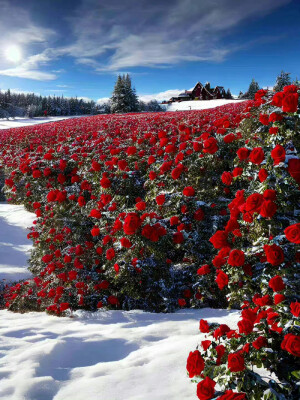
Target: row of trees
[(123, 100), (282, 80), (31, 105)]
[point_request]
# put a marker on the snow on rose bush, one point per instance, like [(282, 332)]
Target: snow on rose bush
[(256, 259), (124, 205), (158, 211)]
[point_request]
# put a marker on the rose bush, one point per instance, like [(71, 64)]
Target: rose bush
[(124, 207), (257, 259)]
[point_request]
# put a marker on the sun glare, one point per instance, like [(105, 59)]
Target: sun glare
[(13, 53)]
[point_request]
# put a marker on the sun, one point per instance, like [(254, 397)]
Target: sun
[(13, 53)]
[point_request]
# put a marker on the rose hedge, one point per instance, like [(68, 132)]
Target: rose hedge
[(124, 206), (256, 259)]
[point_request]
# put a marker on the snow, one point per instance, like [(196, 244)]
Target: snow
[(199, 104), (14, 245), (18, 122), (106, 355)]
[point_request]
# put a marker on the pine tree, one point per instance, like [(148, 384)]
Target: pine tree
[(130, 95), (296, 82), (282, 80), (124, 98), (253, 88), (228, 95)]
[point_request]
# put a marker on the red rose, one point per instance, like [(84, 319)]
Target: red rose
[(105, 183), (254, 202), (222, 279), (125, 243), (206, 389), (294, 168), (64, 306), (268, 209), (95, 231), (257, 155), (245, 326), (295, 309), (160, 199), (273, 130), (226, 178), (219, 240), (260, 342), (110, 254), (278, 154), (189, 191), (236, 258), (176, 173), (274, 254), (230, 395), (210, 146), (205, 344), (199, 215), (277, 99), (290, 89), (237, 171), (276, 283), (264, 119), (290, 103), (174, 221), (178, 238), (181, 302), (279, 298), (220, 349), (291, 343), (140, 205), (95, 214), (131, 223), (262, 175), (203, 326), (195, 363), (236, 362), (270, 194), (292, 233), (113, 300), (243, 153), (203, 270)]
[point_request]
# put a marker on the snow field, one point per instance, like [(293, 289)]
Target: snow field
[(106, 355), (19, 122), (199, 104)]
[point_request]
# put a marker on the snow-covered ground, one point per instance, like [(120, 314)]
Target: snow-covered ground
[(106, 355), (17, 122), (14, 245), (199, 104)]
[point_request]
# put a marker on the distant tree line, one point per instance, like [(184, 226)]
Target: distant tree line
[(31, 105), (282, 80)]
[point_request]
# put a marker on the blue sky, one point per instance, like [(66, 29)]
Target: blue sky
[(77, 47)]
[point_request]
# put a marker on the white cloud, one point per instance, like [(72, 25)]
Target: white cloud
[(110, 36), (17, 28), (103, 100), (166, 95), (157, 34)]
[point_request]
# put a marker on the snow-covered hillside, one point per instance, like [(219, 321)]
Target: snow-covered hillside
[(17, 122), (106, 355), (199, 104)]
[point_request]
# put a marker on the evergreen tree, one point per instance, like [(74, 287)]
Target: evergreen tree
[(228, 94), (296, 81), (124, 98), (282, 80), (253, 88)]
